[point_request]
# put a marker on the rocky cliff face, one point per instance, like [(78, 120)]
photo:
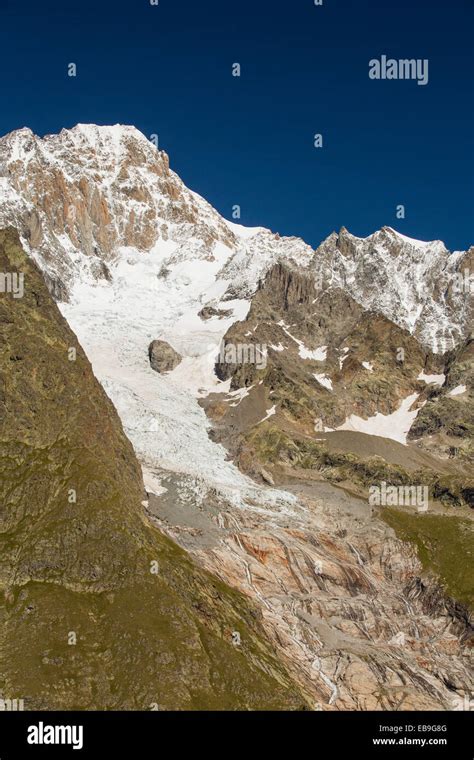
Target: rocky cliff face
[(419, 286), (99, 610), (445, 425), (79, 198), (326, 358)]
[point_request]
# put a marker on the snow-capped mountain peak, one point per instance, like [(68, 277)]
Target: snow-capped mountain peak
[(87, 197), (419, 285)]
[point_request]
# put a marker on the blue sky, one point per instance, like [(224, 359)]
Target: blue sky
[(248, 140)]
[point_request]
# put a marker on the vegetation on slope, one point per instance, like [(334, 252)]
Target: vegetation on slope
[(445, 547)]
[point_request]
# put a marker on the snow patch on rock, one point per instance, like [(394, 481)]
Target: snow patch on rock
[(428, 379), (394, 426), (458, 390), (323, 380)]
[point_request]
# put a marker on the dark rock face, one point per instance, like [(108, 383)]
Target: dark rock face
[(99, 609), (370, 364), (446, 423), (288, 311), (288, 287), (163, 358), (57, 288), (435, 601)]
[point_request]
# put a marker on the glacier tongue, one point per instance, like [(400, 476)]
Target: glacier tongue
[(115, 322)]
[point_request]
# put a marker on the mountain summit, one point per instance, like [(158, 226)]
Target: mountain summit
[(81, 199)]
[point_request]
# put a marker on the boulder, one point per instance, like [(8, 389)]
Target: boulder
[(163, 358)]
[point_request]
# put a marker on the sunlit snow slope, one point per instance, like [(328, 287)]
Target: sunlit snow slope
[(115, 322)]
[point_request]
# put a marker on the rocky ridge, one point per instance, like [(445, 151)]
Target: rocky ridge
[(81, 198)]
